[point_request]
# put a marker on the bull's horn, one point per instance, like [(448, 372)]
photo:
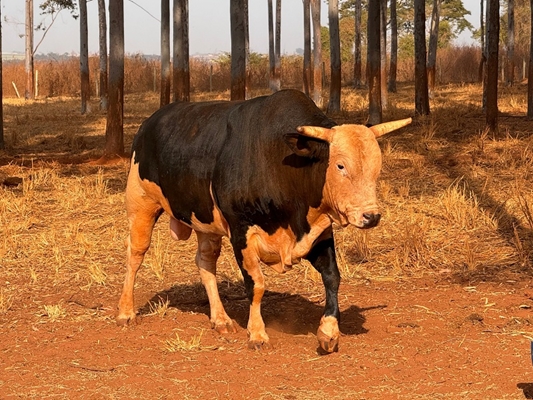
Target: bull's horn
[(316, 132), (387, 127)]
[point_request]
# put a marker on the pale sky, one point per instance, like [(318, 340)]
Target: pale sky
[(208, 23)]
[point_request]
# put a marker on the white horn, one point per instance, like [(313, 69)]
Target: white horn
[(387, 127), (316, 132)]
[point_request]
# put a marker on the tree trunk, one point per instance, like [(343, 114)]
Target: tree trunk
[(181, 76), (493, 36), (421, 78), (307, 81), (530, 69), (164, 98), (485, 55), (102, 25), (84, 56), (373, 63), (30, 84), (114, 145), (274, 46), (317, 54), (239, 48), (393, 47), (334, 105), (482, 36), (433, 44), (277, 63), (2, 143), (510, 42), (357, 64), (383, 53)]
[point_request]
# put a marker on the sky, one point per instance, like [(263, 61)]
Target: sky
[(209, 27)]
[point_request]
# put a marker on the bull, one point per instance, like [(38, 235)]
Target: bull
[(272, 174)]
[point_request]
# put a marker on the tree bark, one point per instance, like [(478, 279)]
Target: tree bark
[(334, 105), (239, 48), (433, 44), (393, 47), (181, 75), (510, 42), (115, 112), (2, 143), (486, 55), (383, 53), (421, 78), (307, 74), (530, 69), (84, 56), (277, 62), (164, 98), (102, 27), (483, 59), (493, 37), (373, 63), (30, 84), (357, 64), (317, 54)]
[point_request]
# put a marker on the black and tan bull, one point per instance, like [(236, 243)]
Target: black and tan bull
[(272, 174)]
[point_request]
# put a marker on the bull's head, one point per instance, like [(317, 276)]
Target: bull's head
[(353, 169)]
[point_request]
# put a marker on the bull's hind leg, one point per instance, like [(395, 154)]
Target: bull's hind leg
[(322, 256), (143, 213), (206, 259)]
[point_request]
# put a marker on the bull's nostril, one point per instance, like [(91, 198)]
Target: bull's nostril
[(370, 219)]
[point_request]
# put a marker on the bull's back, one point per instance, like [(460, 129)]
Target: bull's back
[(176, 149)]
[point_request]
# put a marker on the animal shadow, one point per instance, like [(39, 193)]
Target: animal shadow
[(288, 313), (527, 388)]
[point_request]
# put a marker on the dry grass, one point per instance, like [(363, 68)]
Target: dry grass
[(456, 200)]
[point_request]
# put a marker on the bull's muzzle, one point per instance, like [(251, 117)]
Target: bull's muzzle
[(370, 220)]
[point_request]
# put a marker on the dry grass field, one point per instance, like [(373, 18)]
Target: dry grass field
[(436, 301)]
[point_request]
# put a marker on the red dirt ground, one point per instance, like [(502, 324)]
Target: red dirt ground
[(418, 339)]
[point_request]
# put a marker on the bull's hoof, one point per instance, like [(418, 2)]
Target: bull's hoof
[(224, 327), (328, 345), (329, 342), (125, 320), (259, 345)]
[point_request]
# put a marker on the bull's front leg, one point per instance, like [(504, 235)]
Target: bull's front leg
[(322, 256)]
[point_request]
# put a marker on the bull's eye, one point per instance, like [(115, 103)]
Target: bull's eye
[(340, 167)]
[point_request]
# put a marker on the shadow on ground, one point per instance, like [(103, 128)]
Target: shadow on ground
[(288, 313)]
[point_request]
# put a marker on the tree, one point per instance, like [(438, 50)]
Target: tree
[(307, 73), (334, 105), (274, 46), (482, 39), (114, 145), (493, 36), (510, 42), (373, 63), (29, 92), (421, 78), (102, 34), (277, 64), (239, 48), (317, 53), (357, 64), (433, 42), (165, 53), (181, 76), (383, 53), (393, 47), (84, 56), (530, 69), (2, 143)]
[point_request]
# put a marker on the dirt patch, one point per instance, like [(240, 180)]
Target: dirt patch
[(415, 339)]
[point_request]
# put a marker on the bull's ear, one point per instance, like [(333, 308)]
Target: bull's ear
[(303, 146)]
